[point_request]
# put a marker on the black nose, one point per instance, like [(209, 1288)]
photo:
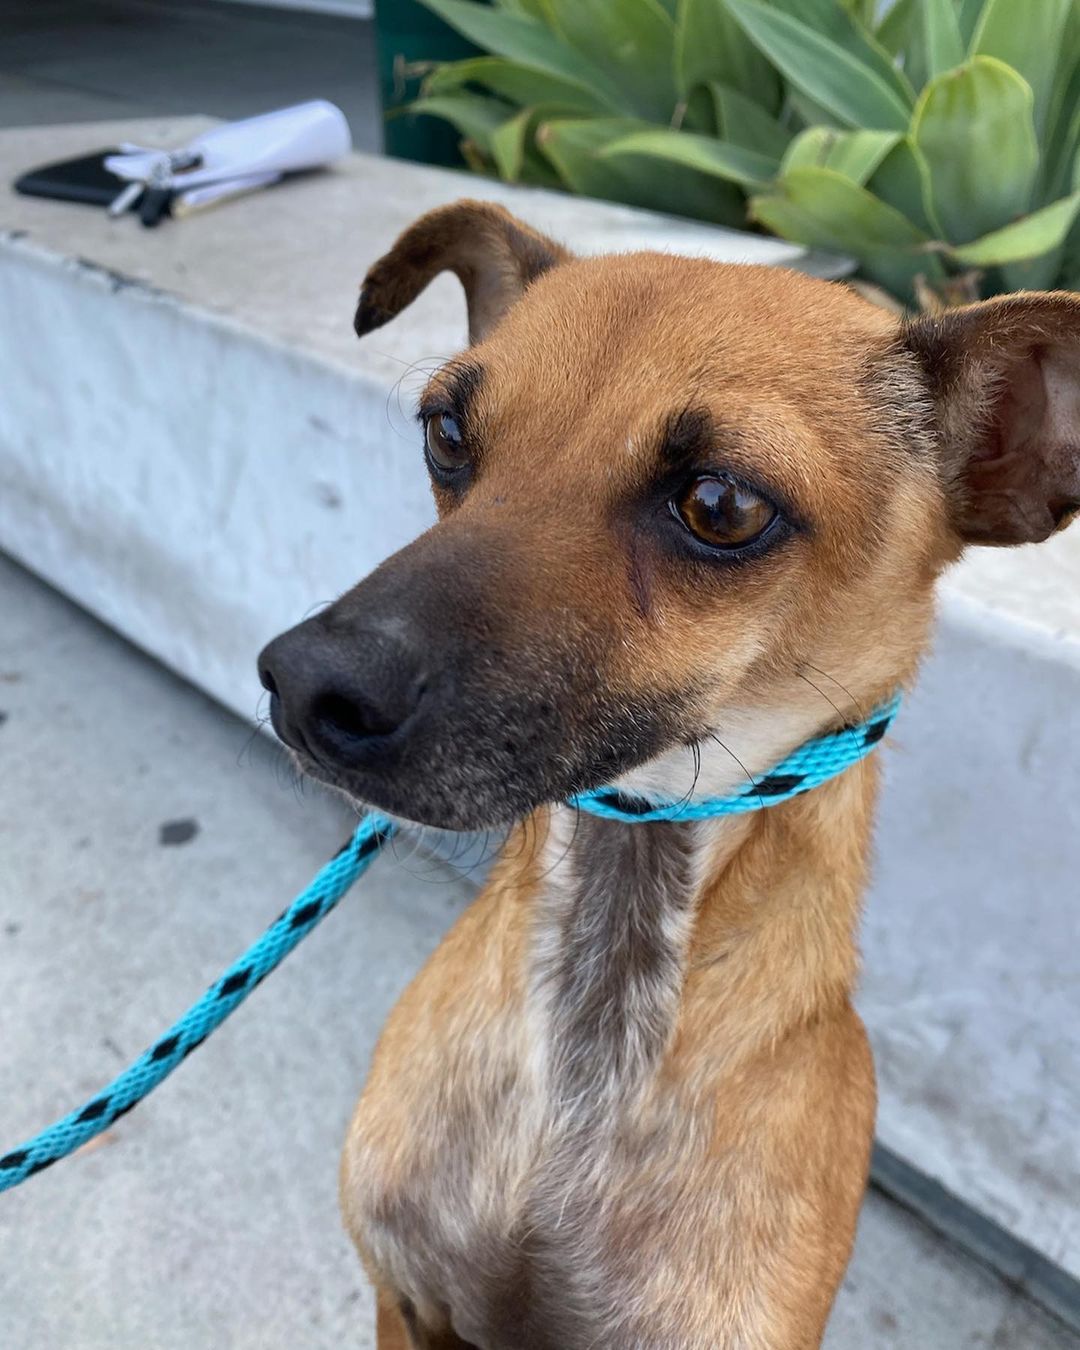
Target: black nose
[(337, 695)]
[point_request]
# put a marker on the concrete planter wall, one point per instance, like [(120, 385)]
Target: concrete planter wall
[(971, 982), (193, 446)]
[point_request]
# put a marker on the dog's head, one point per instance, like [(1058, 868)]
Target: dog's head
[(682, 505)]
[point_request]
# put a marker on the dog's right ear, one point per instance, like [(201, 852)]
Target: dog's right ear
[(493, 255)]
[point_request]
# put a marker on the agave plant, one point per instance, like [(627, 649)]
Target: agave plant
[(934, 141)]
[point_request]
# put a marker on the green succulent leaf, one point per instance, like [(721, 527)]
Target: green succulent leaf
[(513, 145), (1027, 37), (633, 42), (826, 72), (1035, 274), (530, 43), (805, 107), (969, 12), (475, 116), (508, 145), (744, 122), (1070, 261), (827, 210), (863, 10), (929, 36), (942, 45), (855, 154), (514, 82), (902, 180), (710, 47), (1059, 156), (1062, 134), (532, 9), (803, 110), (574, 148), (841, 25), (1034, 235), (974, 127), (896, 26), (704, 154), (822, 209)]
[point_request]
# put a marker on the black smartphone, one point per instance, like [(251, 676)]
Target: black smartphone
[(84, 179)]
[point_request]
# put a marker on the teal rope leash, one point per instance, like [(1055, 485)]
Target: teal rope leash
[(222, 998), (812, 764)]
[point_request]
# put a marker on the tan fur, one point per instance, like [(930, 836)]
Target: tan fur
[(689, 1177), (750, 1147)]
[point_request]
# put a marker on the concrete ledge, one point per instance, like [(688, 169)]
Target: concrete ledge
[(971, 953), (194, 447)]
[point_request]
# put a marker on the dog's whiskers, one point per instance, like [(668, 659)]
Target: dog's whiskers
[(261, 719), (845, 719), (807, 665), (728, 750), (421, 849)]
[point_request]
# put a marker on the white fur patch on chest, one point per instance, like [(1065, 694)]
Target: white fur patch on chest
[(504, 1217)]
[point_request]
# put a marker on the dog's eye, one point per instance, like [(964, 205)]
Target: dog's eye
[(445, 448), (722, 513)]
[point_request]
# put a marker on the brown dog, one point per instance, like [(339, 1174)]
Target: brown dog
[(690, 516)]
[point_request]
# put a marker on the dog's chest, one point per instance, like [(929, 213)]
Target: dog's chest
[(504, 1203)]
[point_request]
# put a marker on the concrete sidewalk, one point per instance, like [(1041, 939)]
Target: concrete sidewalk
[(145, 839)]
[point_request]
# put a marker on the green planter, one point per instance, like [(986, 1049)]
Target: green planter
[(406, 32)]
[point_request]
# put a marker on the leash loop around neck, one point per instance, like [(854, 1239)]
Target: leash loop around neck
[(813, 763)]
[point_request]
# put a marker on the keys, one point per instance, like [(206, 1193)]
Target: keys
[(126, 198), (153, 193), (155, 200)]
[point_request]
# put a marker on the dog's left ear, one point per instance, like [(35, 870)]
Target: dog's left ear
[(1005, 376), (493, 255)]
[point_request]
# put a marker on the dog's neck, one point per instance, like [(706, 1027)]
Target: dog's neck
[(755, 914)]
